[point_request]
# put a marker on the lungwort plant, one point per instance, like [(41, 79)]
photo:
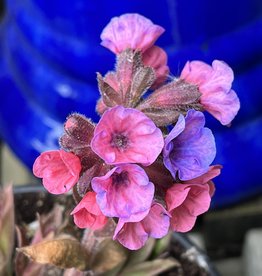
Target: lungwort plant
[(144, 170)]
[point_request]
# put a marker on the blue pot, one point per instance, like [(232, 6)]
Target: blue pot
[(50, 52)]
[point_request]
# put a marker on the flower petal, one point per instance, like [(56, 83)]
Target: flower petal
[(214, 84), (87, 213), (193, 200), (156, 58), (131, 235), (181, 220), (192, 151), (157, 222), (134, 235), (59, 169), (206, 177), (176, 195), (124, 192), (126, 135), (130, 31)]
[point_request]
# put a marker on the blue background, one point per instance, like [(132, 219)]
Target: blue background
[(50, 52)]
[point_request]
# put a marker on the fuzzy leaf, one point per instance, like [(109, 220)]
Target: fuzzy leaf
[(83, 184), (151, 268), (162, 117), (79, 127), (127, 63), (61, 252), (142, 80), (109, 96), (173, 95)]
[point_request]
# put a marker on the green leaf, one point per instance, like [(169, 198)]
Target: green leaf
[(162, 245), (142, 254), (151, 268)]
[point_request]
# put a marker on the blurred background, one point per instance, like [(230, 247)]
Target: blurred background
[(50, 52)]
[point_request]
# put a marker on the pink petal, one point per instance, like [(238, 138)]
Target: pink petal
[(156, 58), (214, 84), (176, 195), (206, 177), (59, 169), (223, 106), (131, 235), (130, 31), (198, 199), (87, 213), (196, 72), (100, 107), (157, 222), (126, 135), (134, 235), (181, 220), (183, 207)]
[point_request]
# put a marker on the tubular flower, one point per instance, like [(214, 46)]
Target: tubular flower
[(185, 202), (87, 213), (124, 192), (214, 83), (190, 147), (132, 31), (188, 200), (59, 169), (134, 235)]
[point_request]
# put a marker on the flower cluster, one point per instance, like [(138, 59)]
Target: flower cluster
[(128, 167)]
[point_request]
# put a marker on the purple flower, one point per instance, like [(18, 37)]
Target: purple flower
[(134, 235), (126, 135), (124, 192), (190, 147), (214, 83)]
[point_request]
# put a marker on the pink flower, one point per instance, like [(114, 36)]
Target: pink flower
[(186, 201), (132, 31), (87, 213), (156, 58), (214, 83), (126, 135), (124, 192), (134, 235), (59, 169)]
